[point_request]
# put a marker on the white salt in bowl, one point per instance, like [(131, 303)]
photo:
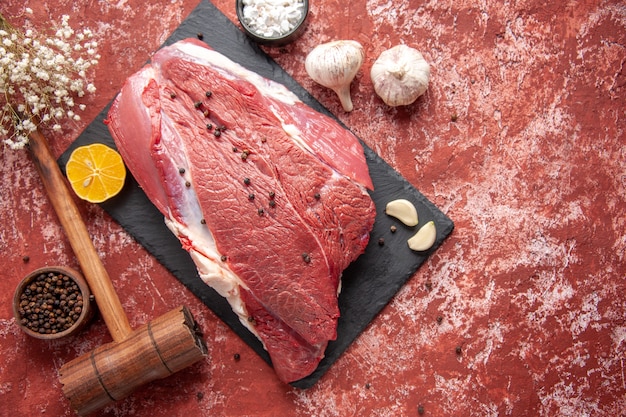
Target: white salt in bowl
[(273, 22)]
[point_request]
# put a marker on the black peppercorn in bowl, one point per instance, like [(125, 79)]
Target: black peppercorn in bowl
[(52, 302), (273, 23)]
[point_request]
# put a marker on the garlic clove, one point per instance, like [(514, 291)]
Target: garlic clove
[(400, 75), (424, 238), (402, 210), (334, 65)]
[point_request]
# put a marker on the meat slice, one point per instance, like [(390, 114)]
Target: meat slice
[(268, 196)]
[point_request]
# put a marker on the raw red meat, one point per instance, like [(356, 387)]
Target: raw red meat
[(268, 196)]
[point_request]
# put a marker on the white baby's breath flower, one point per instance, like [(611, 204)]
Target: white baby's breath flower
[(40, 78), (28, 125)]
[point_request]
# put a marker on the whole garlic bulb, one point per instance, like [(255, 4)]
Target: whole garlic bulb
[(400, 75), (334, 65)]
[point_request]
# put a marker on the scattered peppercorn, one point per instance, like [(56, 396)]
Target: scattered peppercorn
[(317, 196), (272, 194), (393, 229), (172, 95), (246, 181), (454, 117), (236, 356), (420, 409), (181, 170), (244, 156), (458, 350), (306, 257), (439, 319), (272, 203), (235, 149), (250, 196), (381, 241), (25, 258), (260, 211), (202, 221), (199, 395), (197, 104), (224, 258), (187, 184), (217, 133), (51, 304), (208, 93), (200, 35), (428, 285), (209, 126), (263, 139), (367, 385)]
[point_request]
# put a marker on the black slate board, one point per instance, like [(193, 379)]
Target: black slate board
[(367, 285)]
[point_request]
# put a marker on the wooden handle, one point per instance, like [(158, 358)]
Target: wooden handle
[(76, 231)]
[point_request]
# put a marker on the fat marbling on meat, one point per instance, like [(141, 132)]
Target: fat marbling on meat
[(268, 196)]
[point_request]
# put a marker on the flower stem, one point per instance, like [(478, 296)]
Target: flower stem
[(4, 24)]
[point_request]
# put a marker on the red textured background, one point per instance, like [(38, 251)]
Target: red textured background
[(520, 139)]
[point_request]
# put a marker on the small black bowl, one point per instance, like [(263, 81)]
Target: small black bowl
[(279, 40)]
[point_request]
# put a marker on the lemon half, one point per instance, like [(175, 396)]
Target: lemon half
[(96, 172)]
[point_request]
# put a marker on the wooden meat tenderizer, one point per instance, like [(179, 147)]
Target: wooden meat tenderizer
[(154, 351)]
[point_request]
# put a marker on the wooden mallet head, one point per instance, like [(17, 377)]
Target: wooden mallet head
[(113, 371)]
